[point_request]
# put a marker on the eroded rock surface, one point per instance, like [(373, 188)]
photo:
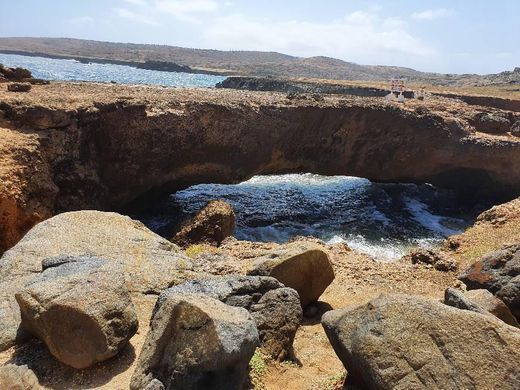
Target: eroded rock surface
[(103, 146), (498, 272), (13, 377), (304, 267), (405, 342), (150, 263), (80, 307), (211, 225), (275, 308), (196, 342)]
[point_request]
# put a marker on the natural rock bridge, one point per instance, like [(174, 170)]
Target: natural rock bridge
[(78, 146)]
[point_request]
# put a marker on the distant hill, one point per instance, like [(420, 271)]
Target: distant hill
[(250, 63)]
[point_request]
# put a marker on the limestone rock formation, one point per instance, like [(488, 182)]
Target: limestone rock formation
[(498, 272), (13, 377), (427, 256), (304, 267), (196, 342), (211, 225), (81, 308), (275, 308), (405, 342), (71, 146), (149, 262)]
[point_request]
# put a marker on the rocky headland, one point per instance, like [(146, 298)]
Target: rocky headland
[(90, 298)]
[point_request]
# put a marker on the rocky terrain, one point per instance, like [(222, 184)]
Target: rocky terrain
[(72, 146), (245, 63), (93, 299)]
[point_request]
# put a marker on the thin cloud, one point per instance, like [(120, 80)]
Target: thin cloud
[(432, 14), (127, 14), (361, 36)]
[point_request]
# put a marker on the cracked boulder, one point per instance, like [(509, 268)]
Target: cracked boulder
[(407, 342), (80, 308), (196, 342), (303, 267), (275, 308), (149, 262)]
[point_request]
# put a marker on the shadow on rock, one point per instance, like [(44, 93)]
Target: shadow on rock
[(58, 376), (313, 312)]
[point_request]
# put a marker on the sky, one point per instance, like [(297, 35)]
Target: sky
[(456, 36)]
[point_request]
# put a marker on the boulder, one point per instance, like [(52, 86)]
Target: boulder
[(13, 377), (19, 87), (406, 342), (499, 273), (16, 74), (211, 225), (196, 342), (510, 295), (303, 266), (275, 308), (456, 298), (493, 305), (515, 128), (492, 123), (427, 256), (81, 309), (149, 262)]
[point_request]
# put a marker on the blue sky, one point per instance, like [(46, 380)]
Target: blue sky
[(470, 36)]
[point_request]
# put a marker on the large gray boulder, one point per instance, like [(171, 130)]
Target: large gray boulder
[(304, 267), (196, 342), (406, 342), (275, 308), (149, 262), (498, 272), (13, 377), (80, 307)]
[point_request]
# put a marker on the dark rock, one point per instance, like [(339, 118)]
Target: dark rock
[(405, 342), (491, 123), (211, 225), (81, 308), (13, 377), (304, 267), (427, 256), (515, 129), (15, 74), (196, 342), (456, 298), (19, 87), (510, 295), (499, 273), (275, 308)]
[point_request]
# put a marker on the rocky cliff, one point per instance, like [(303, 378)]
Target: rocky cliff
[(69, 146)]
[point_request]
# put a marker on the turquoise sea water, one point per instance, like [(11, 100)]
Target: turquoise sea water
[(71, 70)]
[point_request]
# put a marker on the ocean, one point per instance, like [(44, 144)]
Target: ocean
[(72, 70)]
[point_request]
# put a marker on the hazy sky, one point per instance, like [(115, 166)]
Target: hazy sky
[(457, 36)]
